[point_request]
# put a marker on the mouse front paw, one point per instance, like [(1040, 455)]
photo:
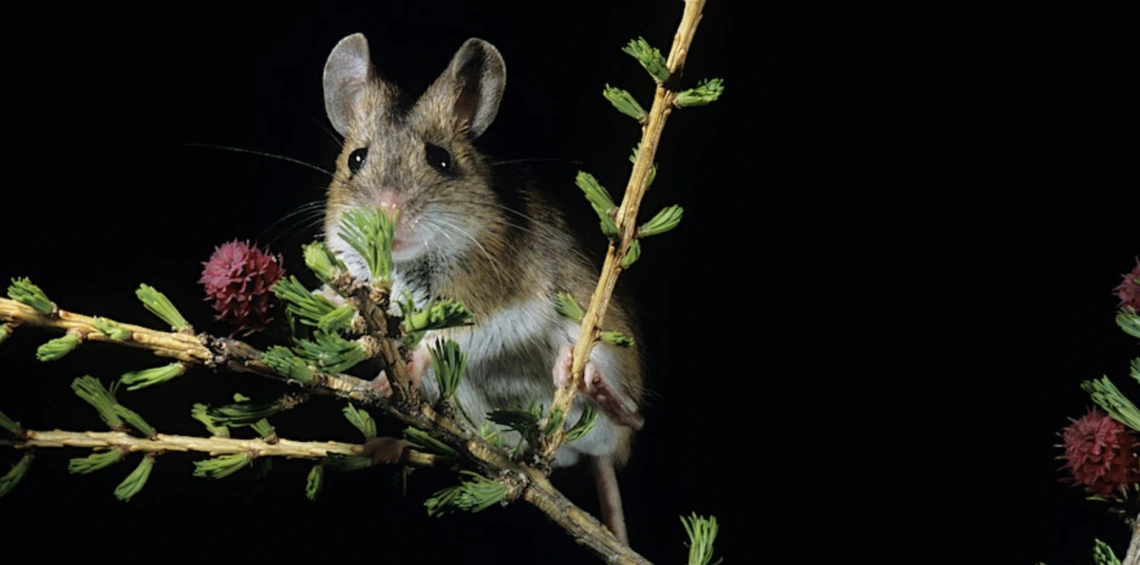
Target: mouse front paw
[(421, 361)]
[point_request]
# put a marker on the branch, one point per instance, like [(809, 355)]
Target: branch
[(211, 445), (626, 220), (522, 481)]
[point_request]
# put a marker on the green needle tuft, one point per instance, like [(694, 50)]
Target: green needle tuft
[(565, 304), (13, 476), (702, 532), (664, 221), (23, 291), (222, 466), (625, 103), (155, 375), (160, 306), (361, 420), (706, 92), (57, 348), (94, 462), (649, 57)]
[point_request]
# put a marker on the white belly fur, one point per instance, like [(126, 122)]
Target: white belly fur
[(510, 361)]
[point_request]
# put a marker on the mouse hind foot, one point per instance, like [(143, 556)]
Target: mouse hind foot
[(618, 407)]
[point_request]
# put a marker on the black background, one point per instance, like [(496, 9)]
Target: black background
[(893, 272)]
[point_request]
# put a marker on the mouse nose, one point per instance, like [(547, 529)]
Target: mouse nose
[(389, 201)]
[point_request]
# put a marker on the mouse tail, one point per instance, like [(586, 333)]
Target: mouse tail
[(609, 496)]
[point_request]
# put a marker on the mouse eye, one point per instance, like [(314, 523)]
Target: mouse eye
[(356, 160), (439, 159)]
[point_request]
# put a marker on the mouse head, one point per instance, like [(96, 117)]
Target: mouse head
[(417, 160)]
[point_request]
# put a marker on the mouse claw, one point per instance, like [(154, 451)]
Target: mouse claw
[(563, 365), (381, 385), (327, 292), (385, 450)]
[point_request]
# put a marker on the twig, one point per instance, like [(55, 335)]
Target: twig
[(626, 219), (211, 445), (175, 345)]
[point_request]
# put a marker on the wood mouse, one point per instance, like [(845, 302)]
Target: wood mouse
[(496, 244)]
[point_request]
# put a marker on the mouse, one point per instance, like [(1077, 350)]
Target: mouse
[(492, 240)]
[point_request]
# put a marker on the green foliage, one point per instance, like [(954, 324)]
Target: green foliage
[(305, 306), (134, 420), (440, 314), (160, 306), (553, 422), (95, 461), (23, 291), (201, 413), (330, 353), (702, 532), (600, 201), (449, 363), (91, 390), (14, 475), (337, 320), (222, 466), (649, 57), (11, 425), (664, 221), (632, 255), (282, 360), (706, 92), (5, 331), (370, 233), (155, 375), (135, 481), (565, 304), (428, 443), (243, 413), (491, 435), (111, 329), (1103, 554), (585, 424), (314, 482), (361, 420), (617, 338), (522, 421), (57, 348), (322, 262), (1107, 396), (473, 495), (263, 429), (1134, 368), (1129, 321), (625, 103)]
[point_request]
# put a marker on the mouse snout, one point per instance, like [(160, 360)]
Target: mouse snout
[(393, 202), (389, 201)]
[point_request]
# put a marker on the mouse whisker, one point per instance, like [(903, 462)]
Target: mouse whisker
[(305, 216), (446, 224), (537, 160), (265, 154), (506, 222)]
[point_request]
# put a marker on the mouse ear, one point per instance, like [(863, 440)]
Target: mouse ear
[(348, 74), (471, 87)]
